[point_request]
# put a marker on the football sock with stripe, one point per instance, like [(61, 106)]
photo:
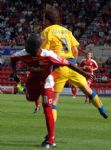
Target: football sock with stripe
[(97, 103), (95, 100), (54, 111)]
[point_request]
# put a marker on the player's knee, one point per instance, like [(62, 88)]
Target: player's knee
[(87, 90), (92, 96), (47, 102), (30, 98)]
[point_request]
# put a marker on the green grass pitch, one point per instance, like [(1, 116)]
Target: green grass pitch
[(79, 125)]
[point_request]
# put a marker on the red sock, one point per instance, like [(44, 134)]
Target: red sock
[(49, 123), (74, 91), (47, 105), (37, 103), (87, 99)]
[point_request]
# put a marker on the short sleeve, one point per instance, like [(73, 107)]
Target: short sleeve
[(74, 42)]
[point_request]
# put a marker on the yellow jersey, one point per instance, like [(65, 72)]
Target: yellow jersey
[(60, 40)]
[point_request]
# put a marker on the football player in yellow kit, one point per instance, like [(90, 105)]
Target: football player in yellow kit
[(62, 42)]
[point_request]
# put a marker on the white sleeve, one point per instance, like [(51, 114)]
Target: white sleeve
[(50, 53), (20, 53)]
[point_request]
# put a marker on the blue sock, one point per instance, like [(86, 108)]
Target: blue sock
[(103, 112)]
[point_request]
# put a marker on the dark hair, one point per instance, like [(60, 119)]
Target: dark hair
[(52, 16), (32, 44)]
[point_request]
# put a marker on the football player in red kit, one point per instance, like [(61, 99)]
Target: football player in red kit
[(89, 65), (40, 81)]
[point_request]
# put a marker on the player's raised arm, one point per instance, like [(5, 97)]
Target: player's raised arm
[(79, 70), (55, 59)]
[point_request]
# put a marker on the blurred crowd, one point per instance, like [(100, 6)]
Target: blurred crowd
[(100, 31), (19, 18)]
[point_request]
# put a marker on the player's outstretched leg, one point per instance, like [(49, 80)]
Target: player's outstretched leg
[(97, 103)]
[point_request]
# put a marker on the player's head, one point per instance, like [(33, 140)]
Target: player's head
[(89, 55), (51, 17), (32, 44)]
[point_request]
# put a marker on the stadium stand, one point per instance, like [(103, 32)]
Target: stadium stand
[(20, 18), (99, 31)]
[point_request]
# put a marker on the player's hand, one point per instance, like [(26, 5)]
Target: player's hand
[(14, 76), (91, 76)]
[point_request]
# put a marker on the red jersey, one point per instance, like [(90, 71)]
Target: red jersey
[(88, 65), (40, 66)]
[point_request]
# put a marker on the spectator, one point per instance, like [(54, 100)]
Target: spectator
[(1, 61)]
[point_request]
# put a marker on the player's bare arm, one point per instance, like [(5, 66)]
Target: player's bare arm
[(75, 52), (79, 70)]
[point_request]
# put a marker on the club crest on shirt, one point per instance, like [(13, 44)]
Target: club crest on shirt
[(41, 62)]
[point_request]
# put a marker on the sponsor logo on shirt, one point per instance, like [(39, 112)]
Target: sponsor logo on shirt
[(36, 69)]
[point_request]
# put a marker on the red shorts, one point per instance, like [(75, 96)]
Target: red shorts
[(35, 88), (32, 93)]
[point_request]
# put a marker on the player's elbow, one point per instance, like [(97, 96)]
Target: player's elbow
[(75, 51)]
